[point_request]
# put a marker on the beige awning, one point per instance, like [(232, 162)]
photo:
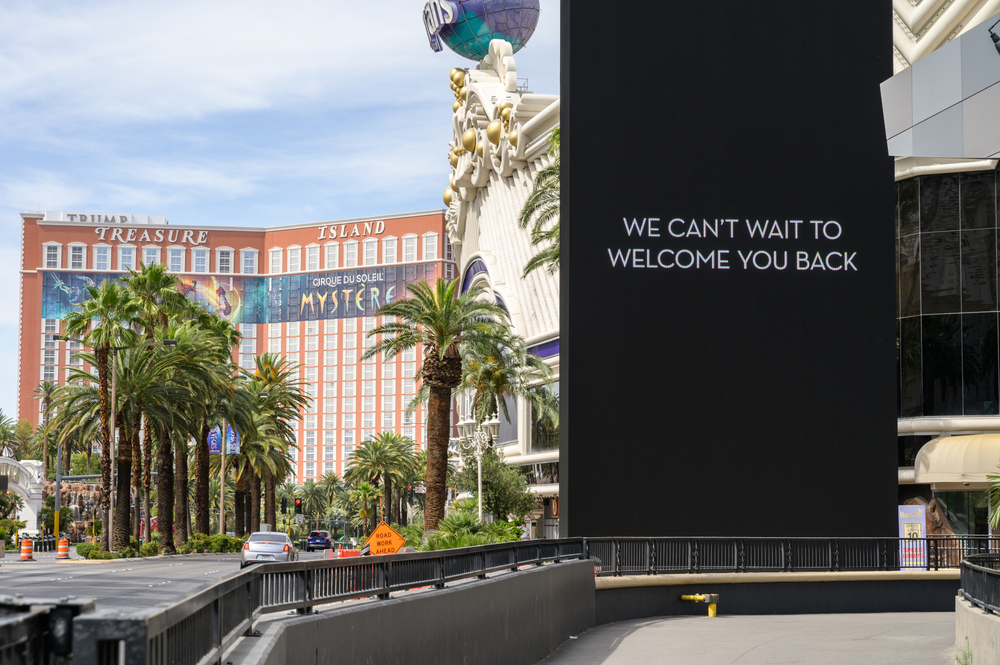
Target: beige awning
[(958, 462)]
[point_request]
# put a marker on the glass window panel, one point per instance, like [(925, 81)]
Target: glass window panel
[(101, 258), (76, 257), (312, 258), (201, 260), (152, 256), (176, 260), (389, 250), (911, 390), (225, 261), (942, 365), (979, 270), (939, 273), (978, 192), (939, 203), (249, 263), (127, 258), (979, 364), (350, 254)]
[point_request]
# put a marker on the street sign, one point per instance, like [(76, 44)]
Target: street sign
[(385, 540), (214, 441), (299, 519)]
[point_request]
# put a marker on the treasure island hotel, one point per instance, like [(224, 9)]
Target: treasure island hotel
[(308, 292)]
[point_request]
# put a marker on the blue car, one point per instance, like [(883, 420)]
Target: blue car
[(319, 540)]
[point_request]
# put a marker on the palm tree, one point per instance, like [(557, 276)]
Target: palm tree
[(104, 321), (7, 430), (439, 318), (382, 461), (314, 500), (45, 391), (542, 206)]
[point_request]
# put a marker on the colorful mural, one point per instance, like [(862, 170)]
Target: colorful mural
[(306, 297)]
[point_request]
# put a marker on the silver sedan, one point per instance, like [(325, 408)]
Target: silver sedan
[(268, 546)]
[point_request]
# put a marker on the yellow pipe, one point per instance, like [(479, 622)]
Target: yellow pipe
[(711, 599), (711, 610), (696, 598)]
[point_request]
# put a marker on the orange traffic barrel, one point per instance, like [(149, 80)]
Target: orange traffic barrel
[(63, 549), (27, 547), (346, 553)]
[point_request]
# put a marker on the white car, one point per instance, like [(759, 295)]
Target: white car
[(265, 546)]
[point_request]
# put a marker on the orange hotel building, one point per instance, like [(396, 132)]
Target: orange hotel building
[(307, 291)]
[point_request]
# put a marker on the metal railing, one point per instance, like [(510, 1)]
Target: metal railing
[(981, 581), (201, 628), (653, 556), (36, 632)]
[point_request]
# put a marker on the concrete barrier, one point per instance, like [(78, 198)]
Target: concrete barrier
[(981, 629), (510, 619)]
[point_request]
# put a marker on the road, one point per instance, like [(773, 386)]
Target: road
[(119, 583)]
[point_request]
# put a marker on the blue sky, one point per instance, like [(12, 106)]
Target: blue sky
[(224, 113)]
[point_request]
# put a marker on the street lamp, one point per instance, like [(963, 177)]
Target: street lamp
[(474, 438), (993, 35)]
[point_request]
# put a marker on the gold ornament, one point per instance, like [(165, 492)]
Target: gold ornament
[(469, 140), (493, 131), (454, 87), (459, 77), (512, 138), (454, 107), (452, 74), (463, 93), (447, 196), (505, 114), (453, 159), (451, 182), (479, 149)]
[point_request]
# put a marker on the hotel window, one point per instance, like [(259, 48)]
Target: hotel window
[(349, 372), (312, 343), (408, 420), (423, 434), (350, 325), (312, 257), (76, 257), (52, 255), (371, 251), (175, 259), (389, 250), (50, 326), (150, 255), (330, 343), (369, 341), (388, 387), (248, 330), (430, 246), (310, 422), (274, 330), (331, 326), (102, 257), (330, 406), (368, 371), (388, 420), (48, 373), (367, 387), (73, 359), (350, 254), (350, 357), (249, 257), (348, 420), (311, 450), (224, 261), (368, 420), (330, 421), (410, 354), (293, 359), (312, 327), (310, 469), (275, 261), (274, 345), (312, 357), (349, 405), (292, 328), (294, 256), (408, 433), (247, 361), (248, 345), (126, 257), (49, 342), (292, 342), (330, 373), (367, 434), (367, 403), (409, 370), (330, 437), (388, 403), (409, 386), (449, 254), (332, 255), (329, 452), (349, 387), (200, 260), (410, 248), (389, 370), (331, 389), (328, 467), (350, 342), (49, 357), (347, 438), (449, 271)]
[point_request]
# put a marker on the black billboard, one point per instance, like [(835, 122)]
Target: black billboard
[(727, 270)]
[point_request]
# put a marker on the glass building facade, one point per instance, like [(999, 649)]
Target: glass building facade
[(946, 263)]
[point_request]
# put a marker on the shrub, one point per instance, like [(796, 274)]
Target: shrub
[(149, 549), (414, 533), (439, 540), (84, 549), (503, 531)]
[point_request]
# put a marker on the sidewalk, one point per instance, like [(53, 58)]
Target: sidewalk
[(818, 639)]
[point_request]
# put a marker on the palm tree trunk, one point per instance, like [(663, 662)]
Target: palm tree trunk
[(181, 504), (387, 500), (105, 409), (165, 493), (147, 478), (269, 499), (254, 501), (136, 482), (438, 423), (201, 499), (123, 503), (239, 497)]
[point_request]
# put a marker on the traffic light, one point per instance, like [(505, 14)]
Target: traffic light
[(298, 506), (409, 492), (284, 506), (90, 524)]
